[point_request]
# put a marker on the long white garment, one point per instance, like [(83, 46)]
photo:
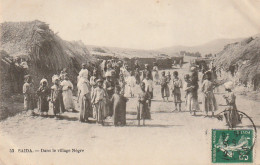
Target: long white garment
[(83, 73), (130, 85), (67, 88), (84, 88), (148, 85)]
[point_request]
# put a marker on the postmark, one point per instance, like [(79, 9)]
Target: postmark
[(232, 146)]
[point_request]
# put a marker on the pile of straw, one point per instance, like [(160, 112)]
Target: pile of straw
[(246, 55)]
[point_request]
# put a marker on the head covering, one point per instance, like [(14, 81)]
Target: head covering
[(146, 65), (228, 85), (54, 78), (193, 68), (43, 80), (83, 64), (108, 74), (83, 73), (99, 80), (27, 77)]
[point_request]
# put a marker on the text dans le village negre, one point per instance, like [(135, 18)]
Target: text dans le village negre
[(48, 150)]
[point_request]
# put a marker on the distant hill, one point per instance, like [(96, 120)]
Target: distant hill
[(212, 47), (122, 52)]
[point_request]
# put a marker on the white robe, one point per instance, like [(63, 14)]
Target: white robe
[(130, 85), (67, 94)]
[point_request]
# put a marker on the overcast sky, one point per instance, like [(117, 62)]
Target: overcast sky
[(144, 24)]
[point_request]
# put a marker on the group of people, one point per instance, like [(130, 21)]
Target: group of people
[(103, 91)]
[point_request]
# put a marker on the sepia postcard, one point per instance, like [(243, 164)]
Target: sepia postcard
[(129, 82)]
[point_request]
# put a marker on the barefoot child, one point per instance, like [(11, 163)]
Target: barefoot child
[(28, 92), (176, 90), (43, 97), (99, 101), (56, 97), (143, 105), (164, 86), (209, 100), (119, 107)]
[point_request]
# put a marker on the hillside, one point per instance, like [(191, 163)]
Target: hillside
[(122, 52), (212, 47)]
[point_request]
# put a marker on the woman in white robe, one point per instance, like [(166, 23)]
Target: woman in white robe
[(67, 88)]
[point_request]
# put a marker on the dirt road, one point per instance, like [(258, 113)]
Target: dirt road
[(169, 138)]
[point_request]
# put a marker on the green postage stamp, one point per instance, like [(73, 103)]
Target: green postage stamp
[(232, 146)]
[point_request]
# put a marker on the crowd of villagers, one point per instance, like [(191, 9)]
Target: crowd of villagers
[(103, 92)]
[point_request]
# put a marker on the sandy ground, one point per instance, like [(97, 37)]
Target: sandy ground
[(169, 138)]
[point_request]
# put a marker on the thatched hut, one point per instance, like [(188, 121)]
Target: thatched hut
[(47, 53), (242, 60)]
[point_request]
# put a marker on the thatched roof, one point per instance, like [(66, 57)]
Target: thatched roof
[(245, 54), (36, 40), (46, 51)]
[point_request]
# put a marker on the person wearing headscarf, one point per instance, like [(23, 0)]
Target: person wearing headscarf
[(43, 94), (67, 88), (107, 84), (156, 74), (63, 73), (56, 97), (84, 71), (209, 101), (84, 96), (231, 114), (28, 92)]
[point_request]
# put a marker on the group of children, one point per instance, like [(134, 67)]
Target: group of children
[(60, 95), (99, 98)]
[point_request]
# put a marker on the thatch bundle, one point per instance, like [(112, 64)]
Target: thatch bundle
[(47, 52), (246, 56)]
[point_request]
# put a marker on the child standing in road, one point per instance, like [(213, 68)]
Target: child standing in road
[(99, 101), (43, 97), (143, 111), (164, 86), (56, 97), (176, 90), (119, 107)]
